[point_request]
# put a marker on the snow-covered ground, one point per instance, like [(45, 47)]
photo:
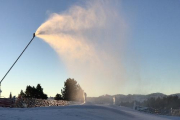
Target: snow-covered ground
[(78, 112)]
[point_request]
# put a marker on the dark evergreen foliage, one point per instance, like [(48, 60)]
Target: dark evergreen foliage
[(162, 103), (72, 91), (22, 94), (32, 92), (39, 92), (58, 97), (10, 96), (167, 102)]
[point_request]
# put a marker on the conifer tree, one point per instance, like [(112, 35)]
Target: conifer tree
[(58, 97), (71, 91), (32, 92), (22, 94), (10, 96)]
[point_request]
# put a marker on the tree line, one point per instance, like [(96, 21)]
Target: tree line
[(33, 92), (163, 103), (167, 102), (71, 91)]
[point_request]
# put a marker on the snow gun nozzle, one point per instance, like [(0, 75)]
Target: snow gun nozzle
[(34, 35)]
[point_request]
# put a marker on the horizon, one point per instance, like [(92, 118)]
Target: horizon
[(108, 47), (137, 94)]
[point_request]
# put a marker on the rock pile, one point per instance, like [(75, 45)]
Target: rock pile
[(32, 102)]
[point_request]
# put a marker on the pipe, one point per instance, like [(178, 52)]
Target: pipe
[(16, 60)]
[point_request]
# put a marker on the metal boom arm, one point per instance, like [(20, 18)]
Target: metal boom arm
[(17, 59)]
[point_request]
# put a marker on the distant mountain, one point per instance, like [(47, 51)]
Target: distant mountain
[(156, 95), (108, 99), (137, 97)]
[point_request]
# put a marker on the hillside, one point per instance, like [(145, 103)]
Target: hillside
[(108, 99)]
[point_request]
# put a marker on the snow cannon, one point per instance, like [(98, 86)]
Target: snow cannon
[(34, 35)]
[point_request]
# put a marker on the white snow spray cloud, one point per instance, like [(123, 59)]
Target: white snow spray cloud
[(89, 39)]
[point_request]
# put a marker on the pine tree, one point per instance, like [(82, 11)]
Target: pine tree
[(71, 91), (32, 92), (10, 96), (58, 97), (39, 91), (21, 95)]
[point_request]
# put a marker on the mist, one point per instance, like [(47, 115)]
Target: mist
[(90, 39)]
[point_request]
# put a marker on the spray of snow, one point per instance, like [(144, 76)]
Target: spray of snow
[(89, 39)]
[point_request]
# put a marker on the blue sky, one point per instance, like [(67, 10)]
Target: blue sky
[(154, 39), (151, 57)]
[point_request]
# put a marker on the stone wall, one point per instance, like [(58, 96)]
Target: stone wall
[(32, 102), (6, 102)]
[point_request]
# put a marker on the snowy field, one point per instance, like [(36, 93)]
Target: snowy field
[(78, 112)]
